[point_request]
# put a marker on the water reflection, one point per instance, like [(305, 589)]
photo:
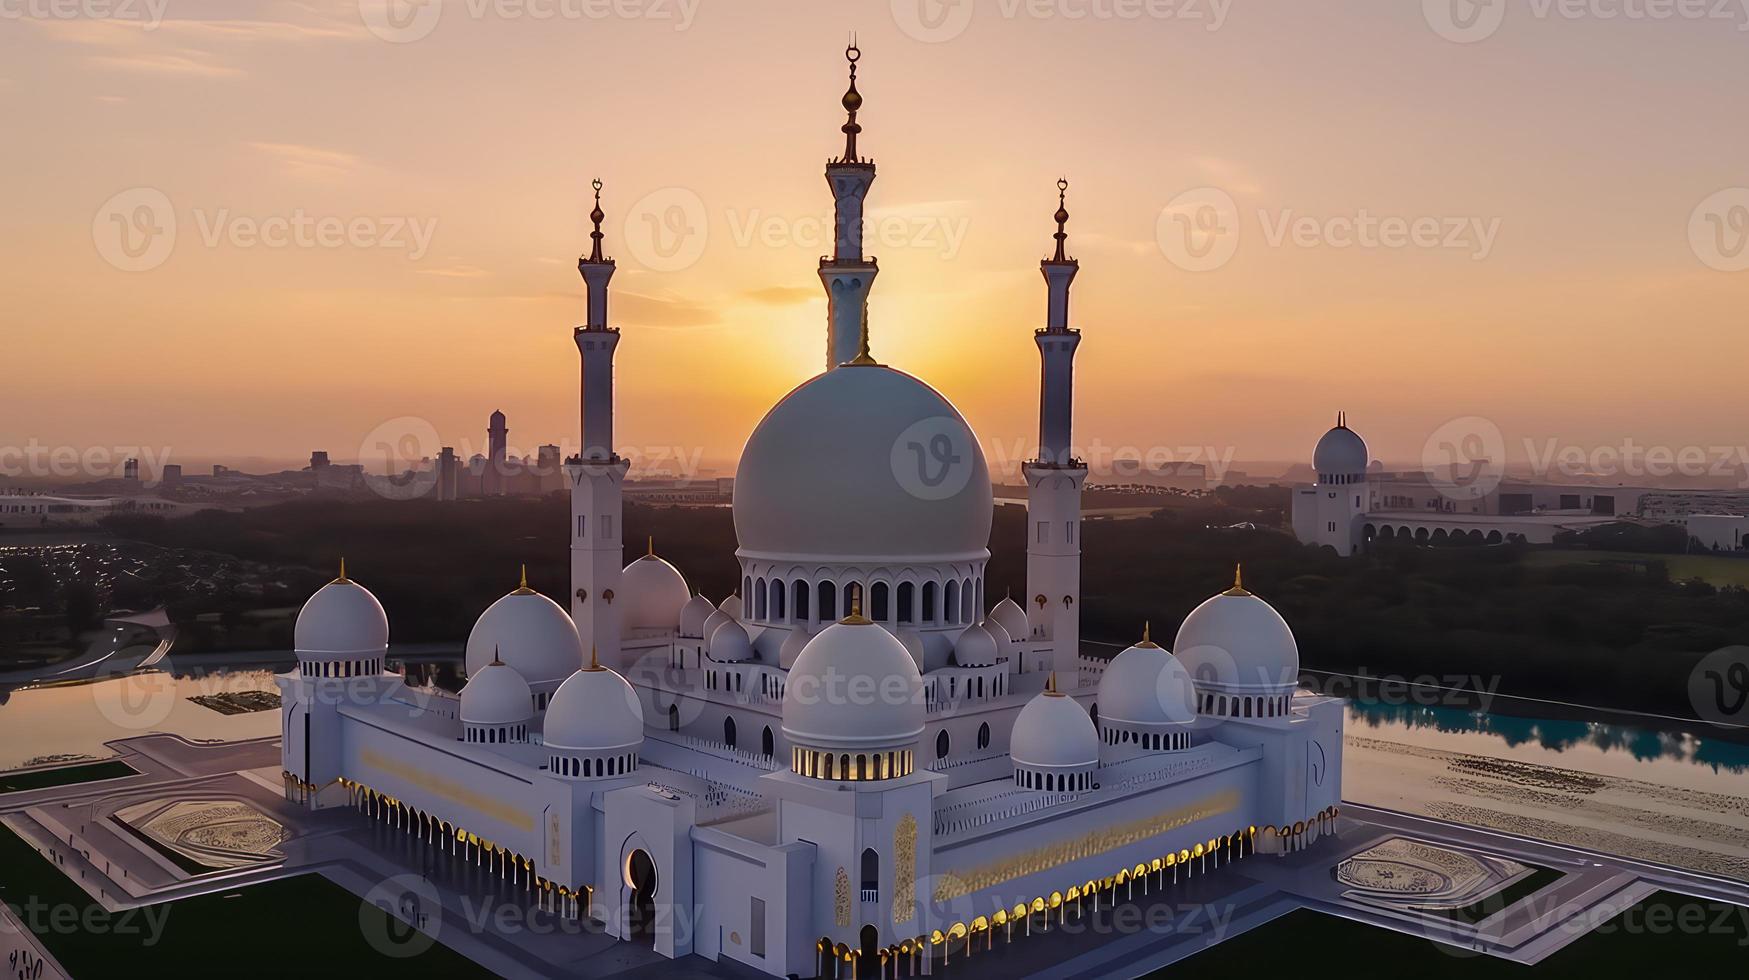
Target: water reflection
[(1553, 734)]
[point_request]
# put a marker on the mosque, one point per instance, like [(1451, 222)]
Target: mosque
[(857, 765)]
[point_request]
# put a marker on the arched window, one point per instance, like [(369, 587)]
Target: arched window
[(746, 591), (758, 597), (907, 602), (729, 731), (929, 603), (871, 871), (952, 602), (984, 735), (878, 596), (801, 604), (968, 602), (941, 744), (828, 601), (766, 743), (674, 717), (777, 594)]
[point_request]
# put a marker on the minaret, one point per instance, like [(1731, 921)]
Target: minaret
[(846, 273), (497, 452), (597, 473), (1054, 480)]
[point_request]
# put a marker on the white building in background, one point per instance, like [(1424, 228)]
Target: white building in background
[(857, 762)]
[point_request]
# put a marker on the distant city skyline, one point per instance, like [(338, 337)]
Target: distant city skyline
[(1570, 295)]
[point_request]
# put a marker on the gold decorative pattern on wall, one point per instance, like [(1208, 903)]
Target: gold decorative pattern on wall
[(841, 899), (956, 884), (455, 792), (905, 870)]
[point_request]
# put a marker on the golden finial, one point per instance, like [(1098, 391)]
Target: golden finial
[(522, 587), (596, 217), (1147, 640), (863, 358), (342, 580), (594, 661), (856, 618), (1238, 588), (1062, 216), (652, 546), (1051, 686), (852, 102)]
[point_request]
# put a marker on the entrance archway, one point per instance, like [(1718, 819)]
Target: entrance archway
[(640, 912), (871, 950)]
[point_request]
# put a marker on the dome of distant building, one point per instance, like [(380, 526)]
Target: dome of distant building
[(1341, 452), (863, 462)]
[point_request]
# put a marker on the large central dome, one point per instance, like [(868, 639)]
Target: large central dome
[(863, 462)]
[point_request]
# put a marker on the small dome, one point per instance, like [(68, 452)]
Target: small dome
[(496, 695), (1236, 642), (854, 687), (594, 710), (975, 647), (651, 594), (913, 641), (730, 644), (1012, 618), (1146, 687), (713, 622), (1342, 452), (693, 615), (793, 645), (1054, 732), (733, 607), (343, 618), (1005, 646), (530, 632)]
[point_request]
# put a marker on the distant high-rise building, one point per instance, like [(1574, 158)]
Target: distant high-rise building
[(318, 460), (172, 475), (448, 472), (497, 448), (130, 470)]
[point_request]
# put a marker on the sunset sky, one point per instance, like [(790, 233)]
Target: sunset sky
[(1596, 309)]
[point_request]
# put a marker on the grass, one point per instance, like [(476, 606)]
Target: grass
[(1665, 932), (1714, 570), (290, 926), (14, 782)]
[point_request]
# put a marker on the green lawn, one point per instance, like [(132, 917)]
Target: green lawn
[(1664, 934), (13, 782), (299, 925), (1712, 569)]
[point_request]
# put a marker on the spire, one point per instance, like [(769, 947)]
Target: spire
[(855, 618), (652, 547), (524, 583), (497, 661), (594, 661), (522, 587), (342, 580), (596, 217), (863, 358), (1051, 686), (852, 102), (1147, 640), (1062, 216), (1238, 588)]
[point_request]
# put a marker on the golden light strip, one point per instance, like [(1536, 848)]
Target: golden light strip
[(454, 792)]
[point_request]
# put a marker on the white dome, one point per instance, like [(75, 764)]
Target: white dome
[(975, 647), (651, 594), (1012, 618), (793, 645), (343, 617), (1054, 732), (1005, 648), (1236, 642), (730, 644), (496, 695), (863, 462), (693, 616), (1342, 452), (733, 608), (854, 687), (594, 710), (913, 641), (530, 632), (714, 622), (1146, 687)]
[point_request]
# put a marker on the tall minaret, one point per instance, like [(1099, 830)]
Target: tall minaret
[(597, 473), (497, 452), (846, 273), (1054, 480)]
